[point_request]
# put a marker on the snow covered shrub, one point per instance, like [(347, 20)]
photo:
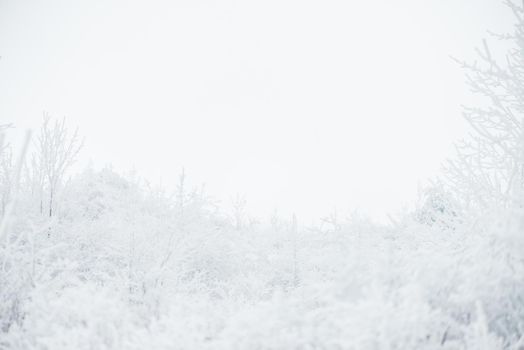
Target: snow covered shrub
[(15, 258), (81, 316), (15, 283), (438, 209), (326, 318)]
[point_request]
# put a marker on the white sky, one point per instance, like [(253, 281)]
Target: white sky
[(301, 105)]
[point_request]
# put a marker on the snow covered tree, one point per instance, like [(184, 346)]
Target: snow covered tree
[(181, 194), (3, 128), (489, 169), (238, 215), (5, 170), (56, 152), (6, 165)]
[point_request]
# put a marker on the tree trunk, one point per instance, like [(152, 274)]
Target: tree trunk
[(51, 203)]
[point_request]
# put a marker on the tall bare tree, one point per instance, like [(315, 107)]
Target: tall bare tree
[(489, 168), (56, 151)]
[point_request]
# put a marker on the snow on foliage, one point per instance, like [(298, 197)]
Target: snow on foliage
[(105, 261)]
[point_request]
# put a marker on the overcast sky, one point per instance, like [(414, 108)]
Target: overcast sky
[(301, 105)]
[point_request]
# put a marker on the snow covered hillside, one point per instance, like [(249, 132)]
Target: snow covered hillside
[(123, 266)]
